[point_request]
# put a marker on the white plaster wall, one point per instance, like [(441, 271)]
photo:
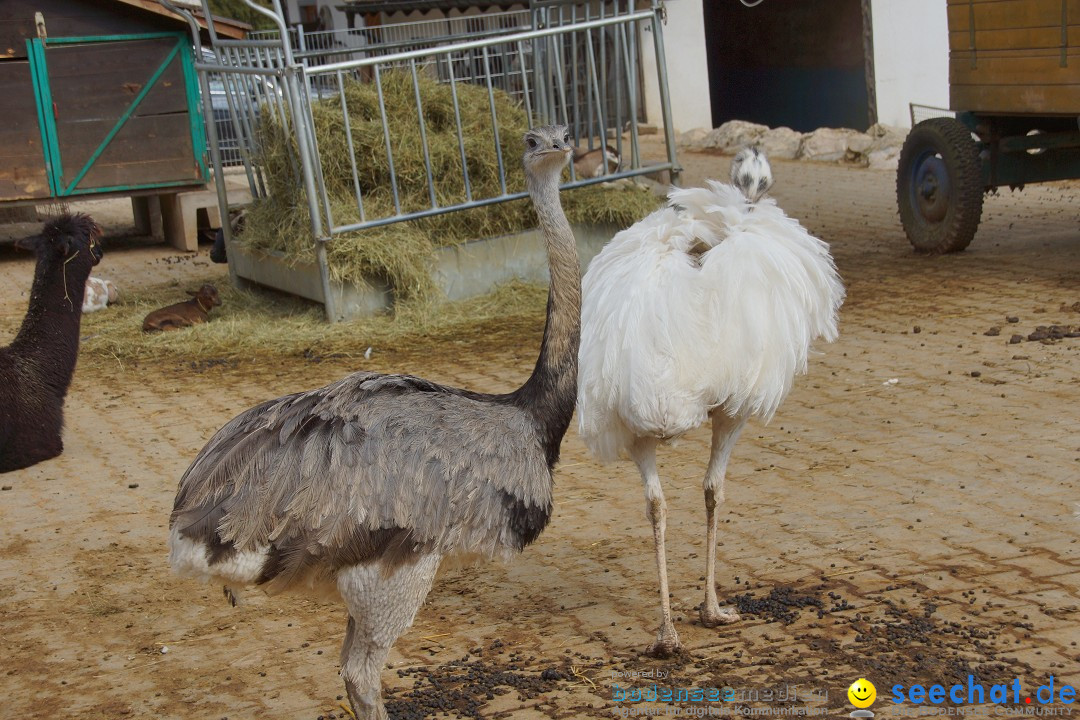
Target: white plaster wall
[(292, 11), (687, 67), (911, 57)]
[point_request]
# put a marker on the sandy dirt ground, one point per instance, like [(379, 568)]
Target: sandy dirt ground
[(908, 516)]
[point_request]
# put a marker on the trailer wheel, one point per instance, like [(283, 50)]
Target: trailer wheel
[(939, 186)]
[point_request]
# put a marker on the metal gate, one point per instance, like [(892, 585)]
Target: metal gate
[(118, 112)]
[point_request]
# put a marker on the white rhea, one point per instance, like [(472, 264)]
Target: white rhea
[(360, 488), (704, 310)]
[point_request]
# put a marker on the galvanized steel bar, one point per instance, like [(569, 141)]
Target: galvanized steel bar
[(619, 53), (457, 121), (602, 87), (313, 140), (632, 88), (386, 137), (665, 96), (352, 149), (525, 83), (477, 44), (303, 132), (560, 82), (588, 85), (574, 78), (591, 64), (494, 123), (211, 130), (423, 132), (352, 227)]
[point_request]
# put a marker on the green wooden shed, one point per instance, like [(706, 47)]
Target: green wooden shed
[(99, 97)]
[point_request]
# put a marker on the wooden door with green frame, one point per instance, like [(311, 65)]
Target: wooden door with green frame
[(118, 112)]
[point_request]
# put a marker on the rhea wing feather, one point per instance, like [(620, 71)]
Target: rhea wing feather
[(367, 466)]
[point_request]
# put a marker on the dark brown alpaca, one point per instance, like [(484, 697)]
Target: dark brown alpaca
[(36, 369), (184, 314)]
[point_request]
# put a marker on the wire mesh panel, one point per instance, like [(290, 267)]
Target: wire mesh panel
[(925, 112)]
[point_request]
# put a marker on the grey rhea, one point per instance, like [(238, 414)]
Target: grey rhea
[(360, 488)]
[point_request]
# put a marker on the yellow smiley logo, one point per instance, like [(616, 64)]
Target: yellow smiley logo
[(862, 693)]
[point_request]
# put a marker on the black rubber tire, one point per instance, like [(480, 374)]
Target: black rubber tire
[(939, 186)]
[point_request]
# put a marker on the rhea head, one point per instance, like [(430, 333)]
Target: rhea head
[(751, 173), (547, 149)]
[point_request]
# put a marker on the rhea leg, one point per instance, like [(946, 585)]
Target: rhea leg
[(644, 454), (381, 607), (725, 432)]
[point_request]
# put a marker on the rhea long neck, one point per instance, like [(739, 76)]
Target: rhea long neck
[(551, 391), (49, 335)]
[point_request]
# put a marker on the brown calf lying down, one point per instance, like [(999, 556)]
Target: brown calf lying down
[(183, 314)]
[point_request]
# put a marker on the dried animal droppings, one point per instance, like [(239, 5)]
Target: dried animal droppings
[(993, 332)]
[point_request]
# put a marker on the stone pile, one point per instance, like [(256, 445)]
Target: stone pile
[(878, 147)]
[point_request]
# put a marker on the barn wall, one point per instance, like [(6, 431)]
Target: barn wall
[(687, 66), (66, 18), (911, 57), (22, 161)]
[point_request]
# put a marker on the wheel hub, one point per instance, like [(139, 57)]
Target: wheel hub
[(930, 188)]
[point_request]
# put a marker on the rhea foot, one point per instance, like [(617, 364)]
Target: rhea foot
[(667, 642), (712, 614)]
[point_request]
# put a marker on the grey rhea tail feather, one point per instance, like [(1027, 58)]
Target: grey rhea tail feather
[(751, 173)]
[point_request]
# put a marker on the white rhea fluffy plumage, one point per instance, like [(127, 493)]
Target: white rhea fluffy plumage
[(713, 301)]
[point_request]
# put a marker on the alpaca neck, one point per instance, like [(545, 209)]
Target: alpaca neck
[(551, 391), (50, 331)]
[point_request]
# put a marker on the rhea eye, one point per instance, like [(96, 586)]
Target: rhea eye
[(566, 139), (532, 143)]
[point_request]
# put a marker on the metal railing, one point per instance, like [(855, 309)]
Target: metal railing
[(575, 66), (925, 112)]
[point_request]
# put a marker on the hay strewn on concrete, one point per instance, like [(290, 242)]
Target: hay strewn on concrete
[(399, 253), (266, 325)]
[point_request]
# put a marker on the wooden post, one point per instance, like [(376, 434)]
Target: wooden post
[(146, 210), (179, 231)]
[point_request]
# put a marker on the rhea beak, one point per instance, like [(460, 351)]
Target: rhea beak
[(561, 153)]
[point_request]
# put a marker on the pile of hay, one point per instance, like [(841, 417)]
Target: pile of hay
[(257, 327), (400, 253)]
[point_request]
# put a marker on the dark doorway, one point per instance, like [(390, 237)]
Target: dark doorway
[(787, 62)]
